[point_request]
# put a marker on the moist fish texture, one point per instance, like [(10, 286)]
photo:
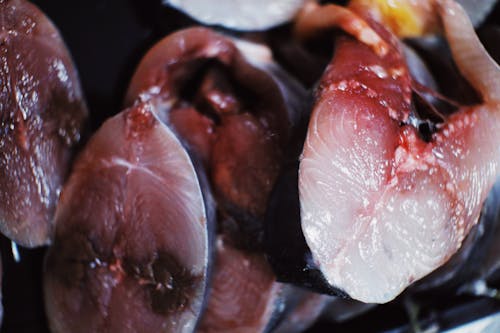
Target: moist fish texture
[(244, 295), (42, 113), (234, 108), (380, 206), (465, 263), (473, 258), (131, 246), (229, 113)]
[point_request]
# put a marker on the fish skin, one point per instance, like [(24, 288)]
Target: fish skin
[(42, 115)]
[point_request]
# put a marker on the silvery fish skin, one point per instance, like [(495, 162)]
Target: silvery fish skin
[(42, 113), (131, 247)]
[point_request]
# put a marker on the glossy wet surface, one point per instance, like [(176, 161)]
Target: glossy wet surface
[(106, 53)]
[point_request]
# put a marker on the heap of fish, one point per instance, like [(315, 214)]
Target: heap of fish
[(224, 178)]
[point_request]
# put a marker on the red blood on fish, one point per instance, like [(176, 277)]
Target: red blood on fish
[(230, 104), (380, 206), (42, 112), (229, 112), (131, 245)]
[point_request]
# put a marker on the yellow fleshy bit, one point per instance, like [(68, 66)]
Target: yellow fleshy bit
[(406, 18)]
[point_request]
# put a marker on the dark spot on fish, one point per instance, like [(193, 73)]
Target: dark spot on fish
[(170, 285), (77, 256)]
